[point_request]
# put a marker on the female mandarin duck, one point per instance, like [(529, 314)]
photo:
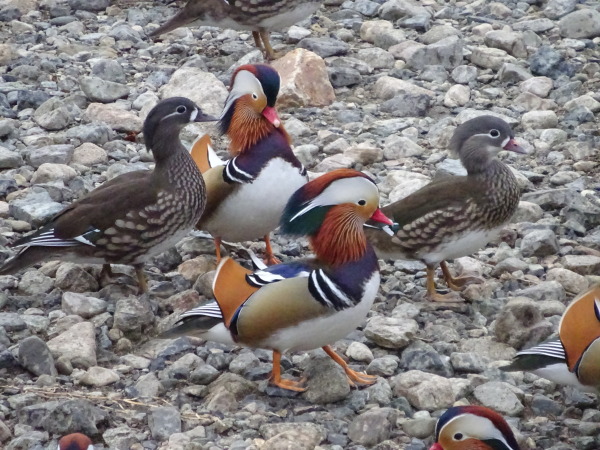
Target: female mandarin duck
[(473, 428), (574, 358), (456, 215), (246, 196), (303, 304), (259, 16), (75, 441), (133, 216)]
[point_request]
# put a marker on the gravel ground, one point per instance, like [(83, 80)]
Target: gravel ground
[(77, 78)]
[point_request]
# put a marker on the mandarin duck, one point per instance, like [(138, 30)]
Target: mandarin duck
[(258, 16), (456, 215), (473, 428), (135, 215), (304, 304), (75, 441), (574, 358), (246, 195)]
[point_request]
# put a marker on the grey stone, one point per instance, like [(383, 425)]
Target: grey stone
[(325, 47), (377, 58), (81, 305), (490, 58), (423, 357), (108, 70), (581, 24), (72, 277), (297, 435), (571, 281), (89, 5), (373, 426), (520, 323), (384, 366), (99, 376), (36, 208), (55, 154), (500, 397), (535, 25), (77, 344), (133, 314), (63, 416), (164, 422), (582, 264), (327, 382), (99, 90), (33, 282), (555, 9), (407, 105), (424, 390), (35, 356), (148, 386), (11, 321), (464, 74), (55, 114), (508, 41), (545, 290), (549, 62), (9, 159), (95, 133), (390, 332), (468, 362), (539, 243), (446, 52), (343, 76), (120, 438)]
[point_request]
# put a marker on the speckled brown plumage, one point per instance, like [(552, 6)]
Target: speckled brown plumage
[(135, 215), (258, 16), (454, 216)]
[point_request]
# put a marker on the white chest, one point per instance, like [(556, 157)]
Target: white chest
[(254, 209)]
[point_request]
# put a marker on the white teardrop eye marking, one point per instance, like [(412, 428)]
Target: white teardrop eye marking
[(362, 202), (494, 133), (458, 436), (181, 109), (194, 115)]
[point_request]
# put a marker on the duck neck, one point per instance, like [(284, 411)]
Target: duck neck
[(340, 239), (247, 128)]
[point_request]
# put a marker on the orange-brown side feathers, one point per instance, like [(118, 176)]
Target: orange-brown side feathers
[(247, 127), (340, 238), (580, 325), (318, 185), (199, 153), (231, 288)]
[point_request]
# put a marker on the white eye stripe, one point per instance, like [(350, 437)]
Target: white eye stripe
[(245, 83), (505, 141), (194, 115)]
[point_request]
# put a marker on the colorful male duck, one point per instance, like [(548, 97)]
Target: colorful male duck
[(473, 428), (303, 304), (75, 441), (246, 196), (133, 216), (455, 216), (258, 16), (574, 358)]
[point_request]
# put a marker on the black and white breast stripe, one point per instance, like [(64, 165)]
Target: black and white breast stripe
[(326, 292), (553, 349), (233, 174), (210, 309), (261, 278)]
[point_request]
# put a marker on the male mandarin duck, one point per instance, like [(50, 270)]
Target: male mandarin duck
[(304, 304), (456, 215), (75, 441), (473, 428), (574, 358), (246, 196), (258, 16), (133, 216)]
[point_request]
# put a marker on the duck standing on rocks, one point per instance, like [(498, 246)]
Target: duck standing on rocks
[(303, 304), (258, 16), (133, 216), (246, 195), (574, 358), (75, 441), (473, 428), (456, 215)]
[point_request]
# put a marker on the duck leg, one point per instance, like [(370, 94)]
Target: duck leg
[(354, 377), (458, 283), (257, 41), (270, 258), (270, 54), (276, 379), (435, 296), (218, 248), (141, 276)]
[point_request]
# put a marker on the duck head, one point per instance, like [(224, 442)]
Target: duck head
[(165, 121), (479, 140), (75, 441), (249, 114), (473, 428), (332, 210)]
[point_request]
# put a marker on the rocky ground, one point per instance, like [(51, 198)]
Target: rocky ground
[(76, 354)]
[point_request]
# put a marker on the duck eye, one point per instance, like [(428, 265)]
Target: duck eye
[(458, 436), (181, 109), (494, 133), (362, 202), (255, 96)]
